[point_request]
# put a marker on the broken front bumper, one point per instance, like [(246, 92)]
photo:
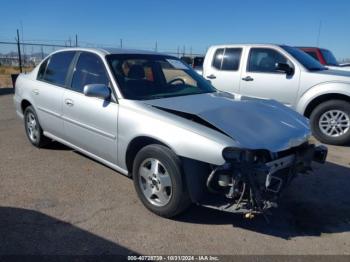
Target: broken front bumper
[(252, 180)]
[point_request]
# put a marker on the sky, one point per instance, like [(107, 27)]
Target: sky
[(194, 25)]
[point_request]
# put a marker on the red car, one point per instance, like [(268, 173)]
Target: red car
[(324, 56)]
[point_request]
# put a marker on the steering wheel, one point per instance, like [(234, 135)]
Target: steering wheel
[(176, 80)]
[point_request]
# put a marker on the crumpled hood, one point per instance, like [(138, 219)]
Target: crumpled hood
[(252, 123)]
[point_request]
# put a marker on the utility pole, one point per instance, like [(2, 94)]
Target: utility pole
[(19, 52), (178, 51), (156, 49), (23, 45), (121, 43), (76, 40)]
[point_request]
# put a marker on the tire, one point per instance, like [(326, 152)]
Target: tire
[(172, 200), (33, 129), (324, 117)]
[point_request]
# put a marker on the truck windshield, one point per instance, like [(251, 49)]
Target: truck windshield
[(329, 57), (303, 58), (148, 76)]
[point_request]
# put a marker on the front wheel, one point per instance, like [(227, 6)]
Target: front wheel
[(158, 181), (330, 122)]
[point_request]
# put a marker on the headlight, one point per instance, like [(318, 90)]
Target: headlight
[(232, 154)]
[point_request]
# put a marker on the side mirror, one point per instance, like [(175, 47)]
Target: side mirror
[(97, 90), (284, 68)]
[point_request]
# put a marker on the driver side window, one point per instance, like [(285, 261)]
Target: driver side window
[(264, 60), (88, 70)]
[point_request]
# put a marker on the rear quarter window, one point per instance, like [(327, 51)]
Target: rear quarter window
[(42, 69)]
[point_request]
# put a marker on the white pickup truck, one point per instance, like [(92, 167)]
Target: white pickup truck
[(290, 76)]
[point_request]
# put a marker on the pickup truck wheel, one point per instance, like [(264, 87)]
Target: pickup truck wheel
[(330, 122), (158, 181), (33, 128)]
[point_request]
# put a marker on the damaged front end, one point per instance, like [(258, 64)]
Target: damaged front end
[(252, 180)]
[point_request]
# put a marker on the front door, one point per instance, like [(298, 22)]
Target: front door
[(89, 122), (260, 78)]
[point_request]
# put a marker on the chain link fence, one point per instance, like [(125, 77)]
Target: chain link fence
[(17, 57), (21, 57)]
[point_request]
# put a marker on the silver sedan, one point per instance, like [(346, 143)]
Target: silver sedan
[(151, 117)]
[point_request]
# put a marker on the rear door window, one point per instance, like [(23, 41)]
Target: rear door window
[(217, 61), (231, 59), (57, 68), (227, 59)]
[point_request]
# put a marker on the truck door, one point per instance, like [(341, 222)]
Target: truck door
[(261, 79), (222, 68)]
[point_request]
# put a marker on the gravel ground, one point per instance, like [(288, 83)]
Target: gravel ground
[(57, 201)]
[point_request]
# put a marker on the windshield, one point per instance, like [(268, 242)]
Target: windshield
[(303, 58), (143, 77), (329, 57)]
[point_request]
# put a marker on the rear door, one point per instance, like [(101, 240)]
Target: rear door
[(261, 79), (89, 122), (223, 70), (48, 91)]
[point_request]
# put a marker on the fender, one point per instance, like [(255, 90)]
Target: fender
[(202, 144), (341, 88)]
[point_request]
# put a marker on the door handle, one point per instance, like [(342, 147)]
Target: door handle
[(35, 91), (211, 76), (69, 102), (248, 78)]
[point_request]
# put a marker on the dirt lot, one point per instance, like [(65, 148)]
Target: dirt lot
[(56, 201), (5, 74)]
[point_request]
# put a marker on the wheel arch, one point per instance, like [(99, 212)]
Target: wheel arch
[(24, 104), (194, 173), (323, 98), (135, 146)]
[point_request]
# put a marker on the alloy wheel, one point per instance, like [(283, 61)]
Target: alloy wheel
[(32, 127), (155, 182), (334, 123)]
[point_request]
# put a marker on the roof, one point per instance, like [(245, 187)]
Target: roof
[(108, 51), (246, 44)]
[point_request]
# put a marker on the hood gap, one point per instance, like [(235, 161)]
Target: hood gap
[(194, 118)]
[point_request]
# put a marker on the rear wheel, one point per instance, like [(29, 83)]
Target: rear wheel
[(158, 181), (330, 122), (33, 128)]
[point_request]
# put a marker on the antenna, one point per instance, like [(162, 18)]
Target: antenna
[(319, 34)]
